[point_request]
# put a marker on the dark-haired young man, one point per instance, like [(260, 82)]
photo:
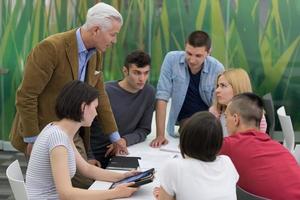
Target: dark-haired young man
[(188, 78), (266, 168), (132, 101)]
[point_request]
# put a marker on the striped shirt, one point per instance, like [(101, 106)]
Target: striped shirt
[(39, 179)]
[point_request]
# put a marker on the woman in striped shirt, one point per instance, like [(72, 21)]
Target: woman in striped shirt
[(54, 158)]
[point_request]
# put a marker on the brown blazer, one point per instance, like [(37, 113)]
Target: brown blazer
[(50, 65)]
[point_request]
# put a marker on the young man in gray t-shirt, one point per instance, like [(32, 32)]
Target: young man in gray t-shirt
[(132, 101)]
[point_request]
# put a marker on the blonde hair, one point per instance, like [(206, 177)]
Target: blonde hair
[(240, 82)]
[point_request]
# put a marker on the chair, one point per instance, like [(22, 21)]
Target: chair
[(270, 113), (296, 153), (287, 129), (242, 194), (16, 181)]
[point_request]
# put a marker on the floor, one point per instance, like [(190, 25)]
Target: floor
[(7, 157)]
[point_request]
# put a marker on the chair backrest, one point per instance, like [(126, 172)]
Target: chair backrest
[(242, 194), (270, 113), (287, 129), (16, 180), (296, 153)]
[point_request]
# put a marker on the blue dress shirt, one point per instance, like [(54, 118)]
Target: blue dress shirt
[(174, 81)]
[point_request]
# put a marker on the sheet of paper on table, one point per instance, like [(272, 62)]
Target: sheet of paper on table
[(171, 147)]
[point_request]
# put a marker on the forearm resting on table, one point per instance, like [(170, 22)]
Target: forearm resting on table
[(160, 117)]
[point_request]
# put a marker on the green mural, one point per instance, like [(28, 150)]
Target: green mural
[(259, 36)]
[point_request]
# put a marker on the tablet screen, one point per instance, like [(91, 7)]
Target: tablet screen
[(134, 178)]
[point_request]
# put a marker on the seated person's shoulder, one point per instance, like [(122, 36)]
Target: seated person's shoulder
[(150, 88), (224, 158), (111, 85), (226, 146), (231, 139), (149, 93), (174, 164)]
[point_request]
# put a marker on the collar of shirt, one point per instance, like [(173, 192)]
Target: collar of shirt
[(205, 67), (83, 55), (81, 46)]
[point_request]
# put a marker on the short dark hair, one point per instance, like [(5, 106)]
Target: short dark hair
[(249, 106), (139, 58), (71, 97), (201, 137), (199, 39)]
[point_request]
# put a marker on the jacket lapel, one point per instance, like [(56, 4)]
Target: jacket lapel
[(91, 67), (93, 74), (72, 53)]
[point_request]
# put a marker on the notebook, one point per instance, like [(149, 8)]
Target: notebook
[(126, 163)]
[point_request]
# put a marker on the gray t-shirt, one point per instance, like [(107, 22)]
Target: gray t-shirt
[(39, 179), (133, 114)]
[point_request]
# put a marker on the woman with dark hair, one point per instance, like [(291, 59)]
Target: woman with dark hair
[(55, 159), (201, 173)]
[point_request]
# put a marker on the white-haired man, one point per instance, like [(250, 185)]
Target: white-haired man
[(57, 60)]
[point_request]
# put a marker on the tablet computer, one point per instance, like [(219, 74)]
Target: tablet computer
[(139, 179)]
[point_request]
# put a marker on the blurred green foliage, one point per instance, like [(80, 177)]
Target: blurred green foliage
[(260, 36)]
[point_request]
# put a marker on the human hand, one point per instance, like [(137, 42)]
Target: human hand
[(156, 192), (110, 150), (125, 190), (120, 147), (94, 162), (158, 141), (130, 173)]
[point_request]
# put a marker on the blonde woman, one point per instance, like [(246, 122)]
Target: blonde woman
[(230, 83)]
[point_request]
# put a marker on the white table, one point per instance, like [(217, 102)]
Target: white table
[(151, 157)]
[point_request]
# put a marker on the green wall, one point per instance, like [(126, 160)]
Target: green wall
[(261, 36)]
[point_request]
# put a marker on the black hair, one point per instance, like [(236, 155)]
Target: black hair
[(139, 58), (71, 97), (199, 39), (249, 106), (201, 137)]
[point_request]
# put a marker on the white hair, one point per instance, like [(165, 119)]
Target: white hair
[(102, 15)]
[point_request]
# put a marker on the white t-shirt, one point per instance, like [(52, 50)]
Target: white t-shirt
[(39, 179), (194, 179)]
